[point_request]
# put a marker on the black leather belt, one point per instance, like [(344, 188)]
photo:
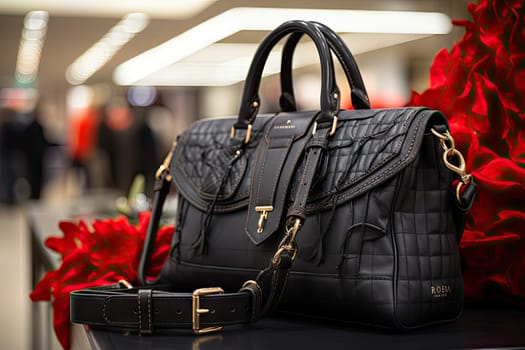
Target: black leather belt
[(145, 309)]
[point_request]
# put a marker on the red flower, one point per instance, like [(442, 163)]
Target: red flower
[(480, 85), (92, 257)]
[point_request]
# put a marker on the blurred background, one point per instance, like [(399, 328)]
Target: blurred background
[(93, 93)]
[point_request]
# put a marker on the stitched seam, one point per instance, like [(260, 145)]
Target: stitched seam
[(104, 314), (250, 204), (261, 172), (140, 313), (149, 310), (277, 173), (307, 170), (345, 67)]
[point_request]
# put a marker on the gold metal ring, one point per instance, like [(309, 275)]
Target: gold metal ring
[(443, 138), (248, 133), (332, 129), (458, 191), (125, 284), (277, 257)]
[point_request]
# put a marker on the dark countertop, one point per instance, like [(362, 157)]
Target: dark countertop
[(478, 328)]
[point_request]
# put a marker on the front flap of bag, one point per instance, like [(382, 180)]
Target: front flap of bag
[(208, 167), (369, 147)]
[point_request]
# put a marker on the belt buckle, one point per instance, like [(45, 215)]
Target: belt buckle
[(197, 310)]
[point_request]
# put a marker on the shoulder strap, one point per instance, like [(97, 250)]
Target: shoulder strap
[(156, 307), (161, 188)]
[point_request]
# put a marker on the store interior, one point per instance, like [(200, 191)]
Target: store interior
[(93, 94)]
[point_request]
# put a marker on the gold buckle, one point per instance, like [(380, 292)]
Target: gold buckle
[(197, 311), (248, 133), (332, 130)]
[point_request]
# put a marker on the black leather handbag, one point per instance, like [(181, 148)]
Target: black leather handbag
[(353, 215)]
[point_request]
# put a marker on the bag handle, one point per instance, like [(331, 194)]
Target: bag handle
[(358, 93), (250, 101)]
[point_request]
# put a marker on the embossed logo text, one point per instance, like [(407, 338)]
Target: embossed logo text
[(440, 291), (288, 125)]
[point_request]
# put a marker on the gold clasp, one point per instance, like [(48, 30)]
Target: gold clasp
[(461, 168), (165, 166), (264, 210), (197, 310), (288, 243), (449, 146)]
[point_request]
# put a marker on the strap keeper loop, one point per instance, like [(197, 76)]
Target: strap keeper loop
[(145, 311)]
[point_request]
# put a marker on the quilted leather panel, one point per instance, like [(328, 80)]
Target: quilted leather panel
[(430, 284), (202, 156), (368, 147)]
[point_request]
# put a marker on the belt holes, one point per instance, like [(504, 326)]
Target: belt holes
[(178, 312), (212, 311), (232, 310)]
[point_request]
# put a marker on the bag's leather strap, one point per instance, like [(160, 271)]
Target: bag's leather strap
[(145, 310), (161, 188), (358, 93)]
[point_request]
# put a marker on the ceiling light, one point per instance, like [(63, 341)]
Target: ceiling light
[(31, 41), (246, 18), (135, 22), (101, 52), (226, 64), (141, 96), (36, 20), (105, 8)]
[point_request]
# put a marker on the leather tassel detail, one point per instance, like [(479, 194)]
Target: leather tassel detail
[(200, 242)]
